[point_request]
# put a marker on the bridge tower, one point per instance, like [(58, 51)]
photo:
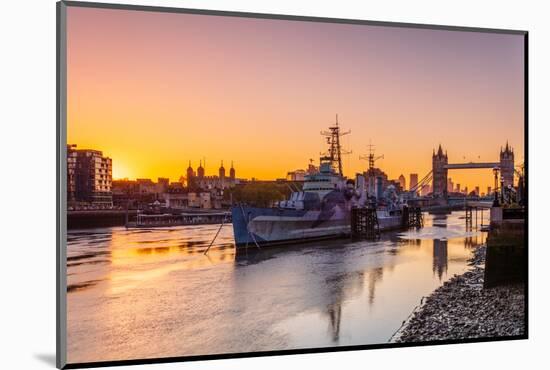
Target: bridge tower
[(439, 163), (507, 164)]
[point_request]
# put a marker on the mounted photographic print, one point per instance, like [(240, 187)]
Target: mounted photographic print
[(236, 184)]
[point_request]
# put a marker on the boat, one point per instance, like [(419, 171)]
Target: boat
[(320, 210), (153, 220)]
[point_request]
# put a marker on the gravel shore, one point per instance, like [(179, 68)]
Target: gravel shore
[(462, 309)]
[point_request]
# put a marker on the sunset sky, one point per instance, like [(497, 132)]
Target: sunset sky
[(155, 90)]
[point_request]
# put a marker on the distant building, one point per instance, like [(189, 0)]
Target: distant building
[(142, 186), (200, 200), (175, 185), (450, 185), (176, 196), (162, 185), (300, 175), (193, 200), (413, 180), (71, 172), (297, 175), (200, 181), (126, 193), (190, 179), (89, 177), (141, 192), (312, 169), (402, 182), (221, 172), (376, 181), (146, 186), (200, 170), (124, 186), (232, 175), (396, 184)]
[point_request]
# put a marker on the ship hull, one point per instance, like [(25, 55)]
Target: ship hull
[(271, 226)]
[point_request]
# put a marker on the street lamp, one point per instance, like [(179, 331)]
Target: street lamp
[(502, 189), (495, 202)]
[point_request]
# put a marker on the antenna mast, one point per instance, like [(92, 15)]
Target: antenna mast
[(370, 157), (335, 150)]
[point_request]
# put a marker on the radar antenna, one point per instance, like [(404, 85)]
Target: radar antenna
[(371, 157), (335, 151)]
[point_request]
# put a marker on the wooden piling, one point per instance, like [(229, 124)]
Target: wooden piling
[(469, 217), (364, 224), (415, 217)]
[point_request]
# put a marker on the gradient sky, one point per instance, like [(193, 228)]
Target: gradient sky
[(155, 90)]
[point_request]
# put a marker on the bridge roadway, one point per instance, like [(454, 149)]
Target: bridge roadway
[(452, 202), (479, 204), (459, 166)]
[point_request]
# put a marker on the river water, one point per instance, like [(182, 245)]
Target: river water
[(137, 294)]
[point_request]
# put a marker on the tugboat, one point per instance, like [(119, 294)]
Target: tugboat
[(321, 210)]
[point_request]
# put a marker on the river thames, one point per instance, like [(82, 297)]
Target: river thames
[(148, 293)]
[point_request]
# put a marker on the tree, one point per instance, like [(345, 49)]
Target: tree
[(258, 194)]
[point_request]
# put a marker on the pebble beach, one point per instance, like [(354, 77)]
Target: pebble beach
[(462, 309)]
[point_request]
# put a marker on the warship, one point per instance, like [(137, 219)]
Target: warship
[(320, 210)]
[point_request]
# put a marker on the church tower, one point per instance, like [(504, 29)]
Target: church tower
[(439, 161), (507, 165)]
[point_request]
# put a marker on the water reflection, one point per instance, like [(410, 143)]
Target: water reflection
[(439, 257), (335, 313), (153, 293), (374, 275)]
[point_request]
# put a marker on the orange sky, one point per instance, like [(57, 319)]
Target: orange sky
[(155, 90)]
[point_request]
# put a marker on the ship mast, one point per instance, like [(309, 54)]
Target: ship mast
[(335, 151), (371, 158)]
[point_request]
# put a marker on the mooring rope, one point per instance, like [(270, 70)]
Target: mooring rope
[(247, 229), (215, 236)]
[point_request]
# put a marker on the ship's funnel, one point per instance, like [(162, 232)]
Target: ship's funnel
[(360, 181), (378, 187), (360, 185)]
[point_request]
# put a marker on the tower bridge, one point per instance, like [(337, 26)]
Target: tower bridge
[(441, 167)]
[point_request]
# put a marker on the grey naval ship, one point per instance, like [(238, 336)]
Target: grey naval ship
[(321, 210)]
